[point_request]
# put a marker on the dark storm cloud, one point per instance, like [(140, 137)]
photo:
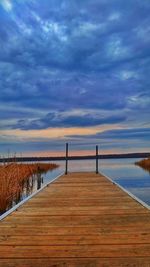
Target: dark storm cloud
[(137, 133), (58, 120)]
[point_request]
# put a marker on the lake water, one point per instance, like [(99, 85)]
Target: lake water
[(123, 171)]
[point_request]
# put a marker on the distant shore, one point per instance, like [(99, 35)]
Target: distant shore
[(108, 156)]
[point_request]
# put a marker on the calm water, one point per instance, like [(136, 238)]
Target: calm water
[(122, 171)]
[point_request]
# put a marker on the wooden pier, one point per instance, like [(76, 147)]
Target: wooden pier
[(79, 220)]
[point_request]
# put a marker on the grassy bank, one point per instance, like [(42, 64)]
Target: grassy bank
[(12, 178), (145, 164)]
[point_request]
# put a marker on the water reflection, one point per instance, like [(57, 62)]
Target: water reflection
[(33, 183), (39, 181), (145, 164)]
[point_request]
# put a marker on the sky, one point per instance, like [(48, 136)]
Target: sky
[(74, 71)]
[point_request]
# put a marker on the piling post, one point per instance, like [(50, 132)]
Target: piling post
[(96, 159), (66, 171)]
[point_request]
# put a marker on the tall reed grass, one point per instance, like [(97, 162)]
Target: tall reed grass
[(12, 177), (145, 164)]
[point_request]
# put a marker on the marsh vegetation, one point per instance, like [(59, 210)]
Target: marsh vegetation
[(145, 164), (14, 177)]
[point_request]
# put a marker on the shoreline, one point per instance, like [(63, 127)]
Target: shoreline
[(107, 156)]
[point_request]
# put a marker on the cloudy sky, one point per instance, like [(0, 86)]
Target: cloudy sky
[(77, 71)]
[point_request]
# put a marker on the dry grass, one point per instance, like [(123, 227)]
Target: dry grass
[(12, 177), (145, 164)]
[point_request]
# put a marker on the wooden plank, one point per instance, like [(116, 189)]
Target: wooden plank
[(88, 220), (95, 239), (71, 230), (80, 204), (75, 251), (82, 262), (55, 211)]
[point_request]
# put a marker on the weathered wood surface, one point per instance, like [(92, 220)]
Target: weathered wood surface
[(80, 220)]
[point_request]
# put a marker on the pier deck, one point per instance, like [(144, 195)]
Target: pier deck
[(79, 220)]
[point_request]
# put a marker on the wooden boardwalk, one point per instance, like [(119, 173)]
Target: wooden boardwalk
[(80, 220)]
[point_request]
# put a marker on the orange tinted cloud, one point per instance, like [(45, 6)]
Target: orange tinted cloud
[(57, 132)]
